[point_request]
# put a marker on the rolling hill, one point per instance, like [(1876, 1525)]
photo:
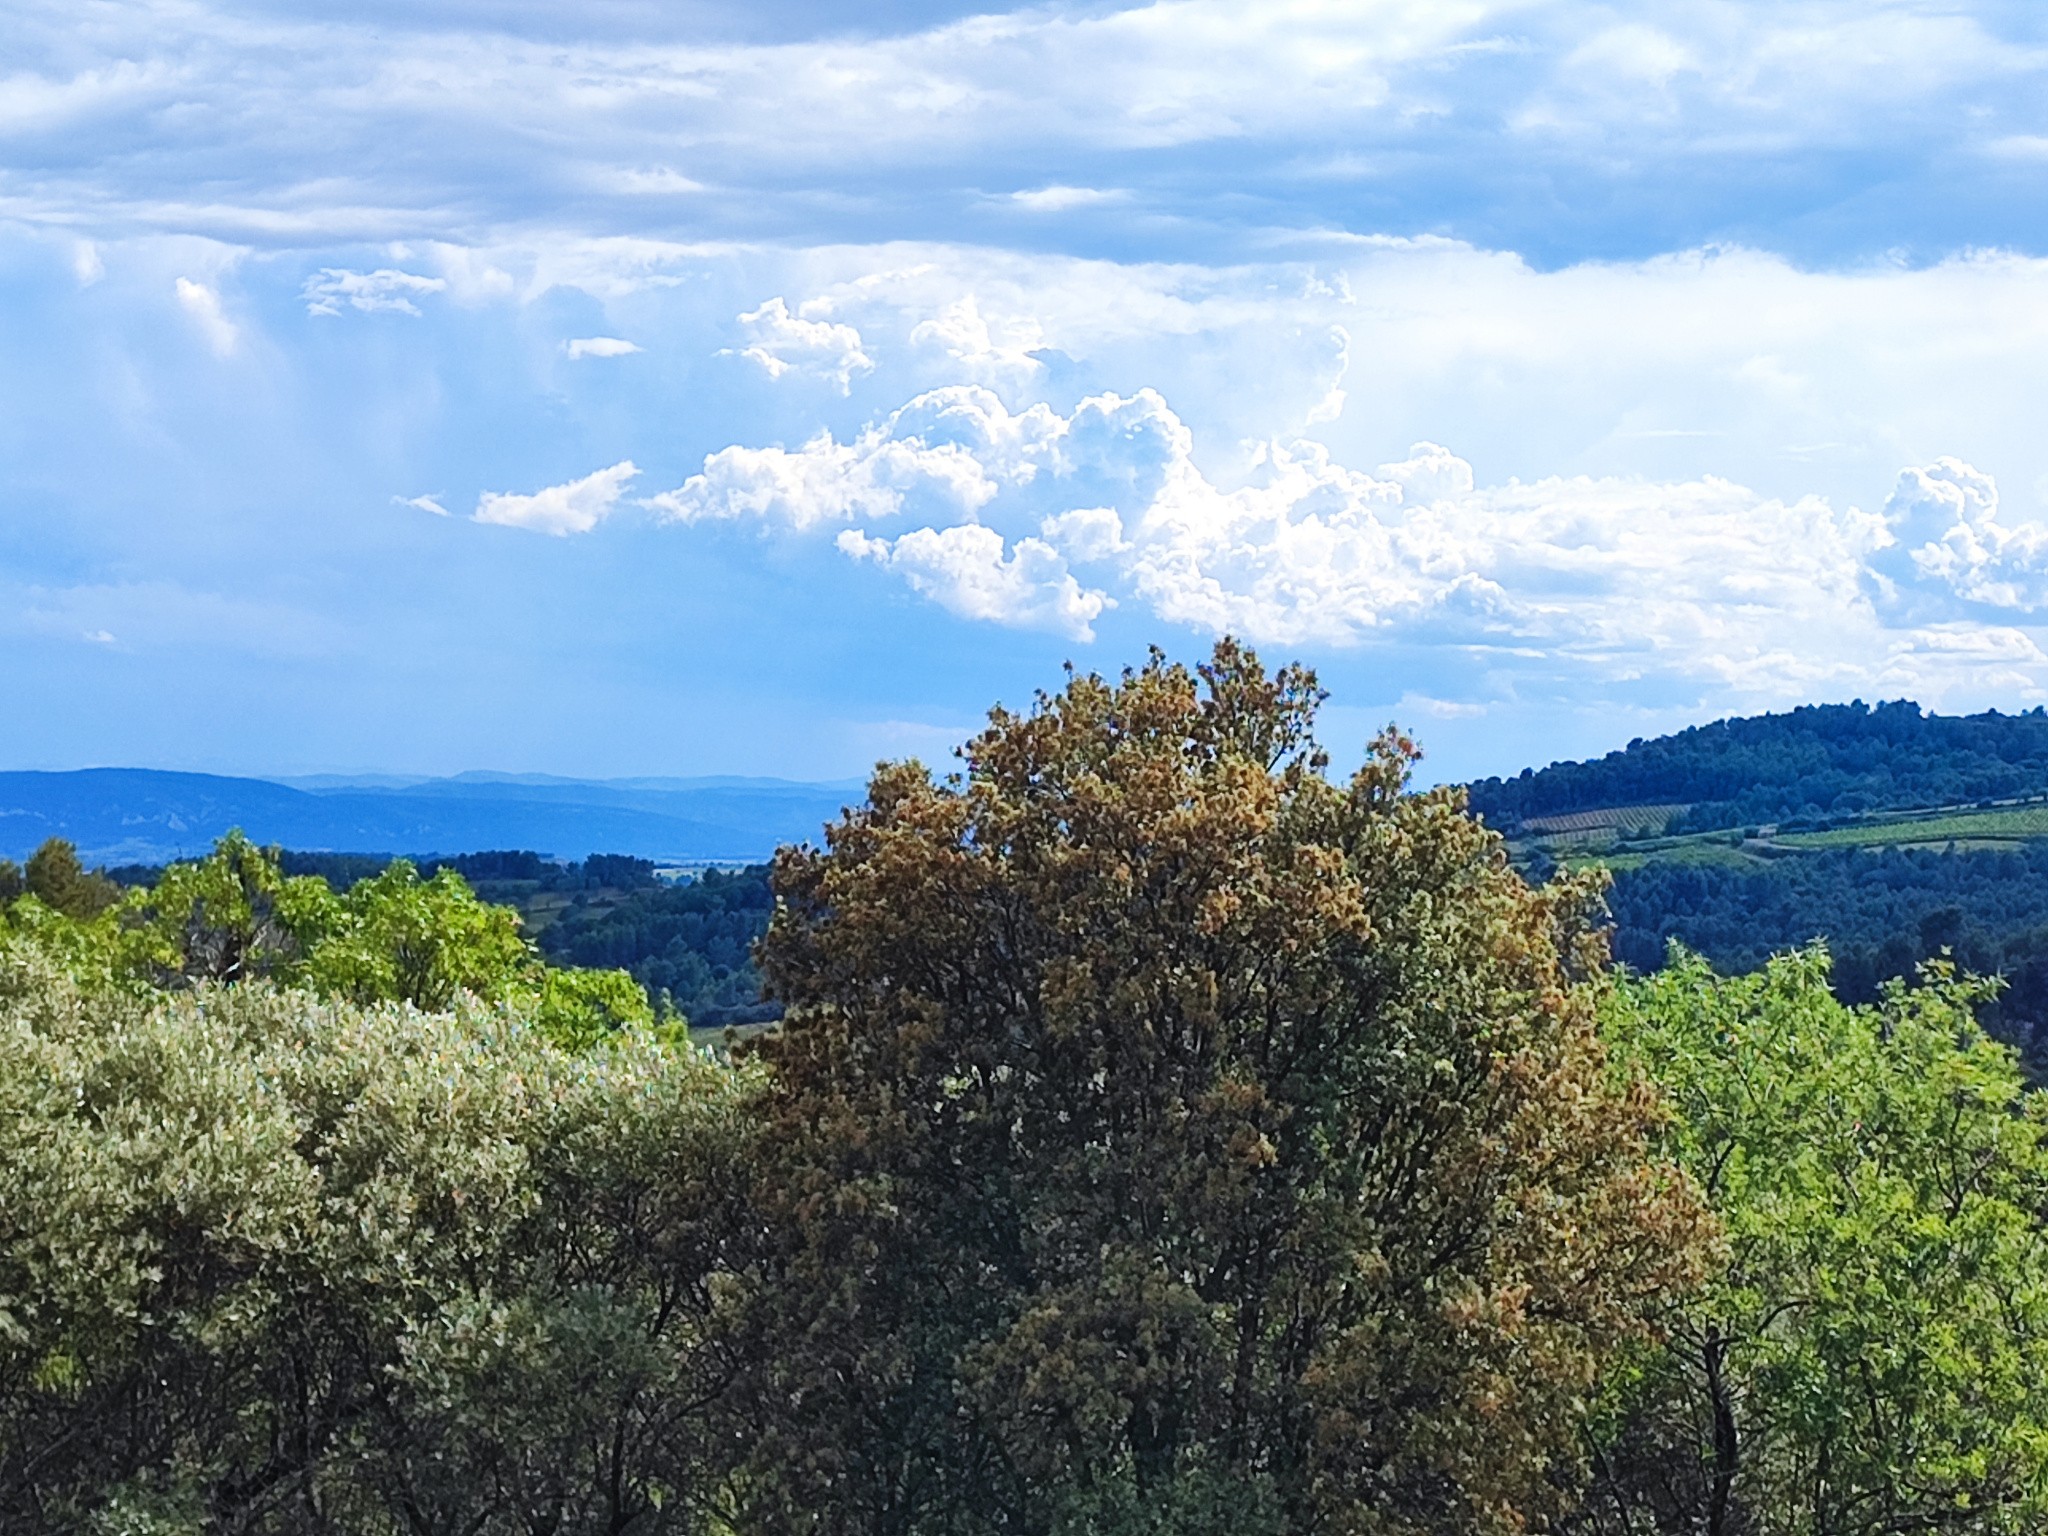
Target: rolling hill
[(144, 816)]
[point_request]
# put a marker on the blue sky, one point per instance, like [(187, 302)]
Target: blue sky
[(631, 388)]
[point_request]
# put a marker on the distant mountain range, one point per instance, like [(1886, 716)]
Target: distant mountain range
[(144, 816)]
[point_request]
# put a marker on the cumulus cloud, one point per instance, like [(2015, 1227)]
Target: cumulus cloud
[(967, 570), (983, 348), (203, 305), (599, 346), (949, 448), (1430, 473), (1947, 518), (576, 507), (803, 343), (385, 290), (1699, 578), (1086, 533)]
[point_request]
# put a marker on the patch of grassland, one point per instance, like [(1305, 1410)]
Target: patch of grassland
[(1702, 851), (1983, 828)]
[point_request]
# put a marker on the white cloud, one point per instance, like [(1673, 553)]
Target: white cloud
[(660, 181), (473, 275), (1331, 406), (966, 570), (599, 346), (98, 637), (982, 347), (1058, 199), (387, 290), (203, 305), (423, 503), (949, 448), (1430, 473), (1619, 577), (277, 125), (782, 342), (1954, 508), (33, 103), (1437, 709), (826, 482), (86, 264), (1086, 533), (576, 507)]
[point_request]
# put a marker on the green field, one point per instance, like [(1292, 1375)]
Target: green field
[(1982, 828), (1698, 851), (1594, 839)]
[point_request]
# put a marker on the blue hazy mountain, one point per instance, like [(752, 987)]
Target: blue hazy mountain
[(144, 816)]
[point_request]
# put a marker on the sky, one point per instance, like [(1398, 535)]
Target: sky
[(637, 387)]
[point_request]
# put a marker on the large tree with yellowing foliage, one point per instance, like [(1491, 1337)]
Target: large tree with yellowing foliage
[(1167, 1137)]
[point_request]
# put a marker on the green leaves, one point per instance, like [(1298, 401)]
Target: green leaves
[(1877, 1339), (395, 936), (274, 1265), (235, 916)]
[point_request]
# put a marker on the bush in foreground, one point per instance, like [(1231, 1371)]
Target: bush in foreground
[(269, 1264)]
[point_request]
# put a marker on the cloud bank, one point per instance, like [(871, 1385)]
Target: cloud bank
[(1188, 123), (1038, 519)]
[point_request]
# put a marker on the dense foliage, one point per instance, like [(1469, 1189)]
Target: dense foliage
[(55, 878), (1872, 1356), (1814, 761), (236, 915), (688, 943), (1163, 1138), (270, 1265)]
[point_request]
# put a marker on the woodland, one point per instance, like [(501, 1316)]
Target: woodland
[(1164, 1134)]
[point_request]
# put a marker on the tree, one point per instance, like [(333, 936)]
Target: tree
[(228, 917), (420, 941), (1165, 1138), (11, 881), (1873, 1356), (56, 879)]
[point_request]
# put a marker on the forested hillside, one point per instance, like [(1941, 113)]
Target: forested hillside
[(1881, 913), (1822, 760), (1893, 835)]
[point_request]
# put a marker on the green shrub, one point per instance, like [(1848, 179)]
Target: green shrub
[(272, 1264)]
